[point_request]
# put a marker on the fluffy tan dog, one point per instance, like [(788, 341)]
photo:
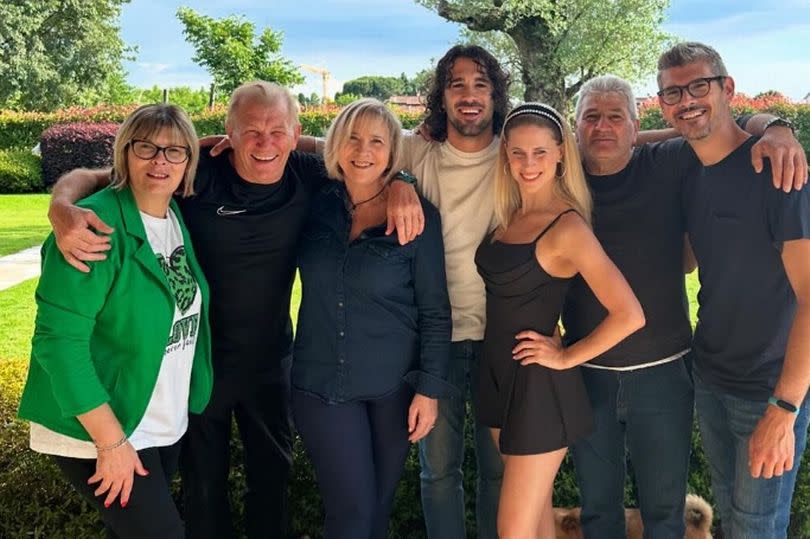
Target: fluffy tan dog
[(697, 514)]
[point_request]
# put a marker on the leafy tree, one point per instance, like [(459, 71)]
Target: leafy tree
[(344, 99), (231, 52), (557, 45), (421, 81), (189, 99), (374, 86), (50, 50), (113, 90)]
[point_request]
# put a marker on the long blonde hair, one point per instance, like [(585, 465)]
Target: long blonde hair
[(569, 184)]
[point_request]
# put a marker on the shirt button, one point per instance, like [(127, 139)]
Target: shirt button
[(340, 304), (341, 334)]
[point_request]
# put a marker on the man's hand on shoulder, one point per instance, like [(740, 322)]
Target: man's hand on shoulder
[(404, 212), (73, 228), (217, 143), (787, 157)]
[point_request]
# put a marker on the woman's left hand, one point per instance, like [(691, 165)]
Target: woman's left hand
[(422, 417), (540, 349)]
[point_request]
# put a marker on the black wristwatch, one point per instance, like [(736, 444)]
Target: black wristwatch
[(779, 122), (784, 405), (405, 176)]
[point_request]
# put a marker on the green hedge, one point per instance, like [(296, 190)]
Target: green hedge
[(36, 502), (20, 172)]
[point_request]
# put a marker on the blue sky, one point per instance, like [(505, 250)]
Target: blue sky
[(765, 43)]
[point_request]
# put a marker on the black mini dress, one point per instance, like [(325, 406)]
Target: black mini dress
[(537, 409)]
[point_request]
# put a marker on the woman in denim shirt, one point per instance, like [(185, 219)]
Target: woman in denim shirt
[(373, 335)]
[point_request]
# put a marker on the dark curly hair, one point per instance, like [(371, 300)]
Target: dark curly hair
[(436, 120)]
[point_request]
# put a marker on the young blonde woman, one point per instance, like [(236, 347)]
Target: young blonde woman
[(531, 392)]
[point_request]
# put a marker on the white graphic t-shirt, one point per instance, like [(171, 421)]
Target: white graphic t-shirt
[(166, 417)]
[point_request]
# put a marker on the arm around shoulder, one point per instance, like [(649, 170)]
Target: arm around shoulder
[(80, 235)]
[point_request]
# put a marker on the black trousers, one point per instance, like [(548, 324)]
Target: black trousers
[(262, 415), (150, 512)]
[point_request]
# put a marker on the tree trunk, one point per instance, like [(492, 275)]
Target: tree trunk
[(541, 74)]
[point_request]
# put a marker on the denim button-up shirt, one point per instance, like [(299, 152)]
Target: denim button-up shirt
[(373, 312)]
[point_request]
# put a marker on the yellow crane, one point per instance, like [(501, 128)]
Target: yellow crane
[(324, 73)]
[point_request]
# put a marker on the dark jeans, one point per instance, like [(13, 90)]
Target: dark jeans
[(150, 512), (442, 456), (263, 416), (748, 508), (648, 413), (358, 450)]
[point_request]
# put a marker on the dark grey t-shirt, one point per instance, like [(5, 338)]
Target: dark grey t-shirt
[(737, 223)]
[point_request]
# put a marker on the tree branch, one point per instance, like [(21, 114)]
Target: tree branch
[(484, 20)]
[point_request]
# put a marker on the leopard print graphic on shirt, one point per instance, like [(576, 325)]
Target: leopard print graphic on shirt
[(180, 278)]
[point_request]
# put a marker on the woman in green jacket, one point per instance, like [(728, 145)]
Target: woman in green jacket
[(121, 354)]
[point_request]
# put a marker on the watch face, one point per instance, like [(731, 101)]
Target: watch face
[(785, 405)]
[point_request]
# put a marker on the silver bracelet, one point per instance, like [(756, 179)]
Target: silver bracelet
[(116, 445)]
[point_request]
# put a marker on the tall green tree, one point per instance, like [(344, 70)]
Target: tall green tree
[(50, 50), (232, 53), (376, 86), (557, 45)]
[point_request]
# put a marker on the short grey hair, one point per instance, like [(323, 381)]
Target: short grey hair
[(689, 52), (608, 84), (265, 93)]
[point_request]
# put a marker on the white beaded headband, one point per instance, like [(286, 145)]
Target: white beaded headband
[(538, 109)]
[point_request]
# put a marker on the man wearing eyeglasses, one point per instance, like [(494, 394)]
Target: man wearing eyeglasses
[(752, 341)]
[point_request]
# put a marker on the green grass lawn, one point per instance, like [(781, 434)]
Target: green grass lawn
[(17, 309), (23, 222)]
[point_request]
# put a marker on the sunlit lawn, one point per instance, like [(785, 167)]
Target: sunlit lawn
[(23, 222)]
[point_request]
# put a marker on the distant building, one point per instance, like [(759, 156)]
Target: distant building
[(410, 103)]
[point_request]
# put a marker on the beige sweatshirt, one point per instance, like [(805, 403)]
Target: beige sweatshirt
[(460, 185)]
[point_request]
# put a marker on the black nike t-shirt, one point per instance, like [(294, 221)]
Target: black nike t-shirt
[(245, 236)]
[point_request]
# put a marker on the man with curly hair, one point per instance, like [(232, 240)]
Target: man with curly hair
[(466, 107)]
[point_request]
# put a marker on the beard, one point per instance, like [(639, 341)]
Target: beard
[(467, 129)]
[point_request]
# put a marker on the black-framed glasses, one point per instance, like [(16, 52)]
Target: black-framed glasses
[(144, 149), (697, 88)]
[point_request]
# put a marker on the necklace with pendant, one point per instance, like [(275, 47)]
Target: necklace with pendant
[(352, 206)]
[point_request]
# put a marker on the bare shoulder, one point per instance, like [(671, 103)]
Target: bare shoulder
[(569, 231)]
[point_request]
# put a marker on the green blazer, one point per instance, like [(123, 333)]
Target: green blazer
[(100, 337)]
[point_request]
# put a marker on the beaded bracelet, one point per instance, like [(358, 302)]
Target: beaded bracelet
[(116, 445)]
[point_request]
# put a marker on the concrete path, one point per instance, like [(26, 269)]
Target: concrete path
[(19, 267)]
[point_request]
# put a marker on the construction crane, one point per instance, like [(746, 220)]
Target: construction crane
[(324, 75)]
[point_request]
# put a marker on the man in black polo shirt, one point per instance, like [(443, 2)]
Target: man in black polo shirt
[(244, 220), (752, 341), (640, 390)]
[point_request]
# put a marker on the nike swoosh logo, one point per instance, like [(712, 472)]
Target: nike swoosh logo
[(222, 211)]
